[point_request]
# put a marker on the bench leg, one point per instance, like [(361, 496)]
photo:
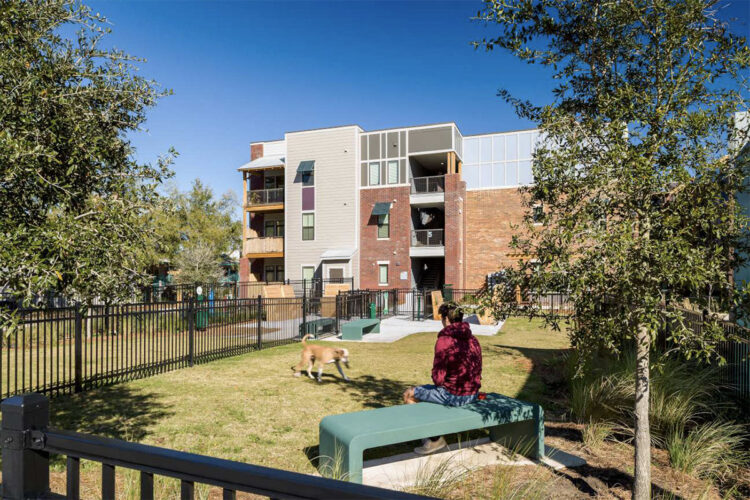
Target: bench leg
[(525, 437), (338, 461)]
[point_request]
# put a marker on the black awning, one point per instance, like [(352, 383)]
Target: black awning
[(381, 208)]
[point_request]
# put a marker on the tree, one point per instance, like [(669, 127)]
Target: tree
[(74, 204), (186, 219), (198, 263), (635, 174)]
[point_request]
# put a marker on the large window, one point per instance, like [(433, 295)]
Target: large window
[(382, 274), (393, 172), (273, 228), (384, 226), (500, 160), (308, 227), (274, 273), (374, 174), (308, 178)]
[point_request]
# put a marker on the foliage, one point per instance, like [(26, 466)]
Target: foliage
[(713, 450), (73, 201), (185, 220), (198, 264), (636, 172)]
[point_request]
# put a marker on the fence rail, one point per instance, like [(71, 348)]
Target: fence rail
[(28, 442), (265, 196), (427, 238), (429, 184)]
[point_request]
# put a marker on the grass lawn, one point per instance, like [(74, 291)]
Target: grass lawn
[(250, 408)]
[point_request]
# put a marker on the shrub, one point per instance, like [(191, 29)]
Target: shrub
[(713, 450)]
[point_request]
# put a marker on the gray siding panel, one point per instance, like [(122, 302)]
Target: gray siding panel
[(364, 176), (430, 139), (402, 143), (374, 147), (402, 169), (392, 145), (363, 145)]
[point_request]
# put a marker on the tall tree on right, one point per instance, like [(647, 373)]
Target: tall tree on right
[(636, 176)]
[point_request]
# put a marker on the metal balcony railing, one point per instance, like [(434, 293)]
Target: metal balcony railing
[(270, 244), (431, 184), (265, 196), (427, 238)]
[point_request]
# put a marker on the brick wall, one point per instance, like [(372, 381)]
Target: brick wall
[(455, 229), (490, 215), (396, 248), (256, 151)]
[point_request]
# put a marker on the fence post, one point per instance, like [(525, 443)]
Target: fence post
[(260, 322), (304, 311), (191, 331), (78, 346), (25, 469)]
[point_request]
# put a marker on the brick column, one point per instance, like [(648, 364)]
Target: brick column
[(455, 262)]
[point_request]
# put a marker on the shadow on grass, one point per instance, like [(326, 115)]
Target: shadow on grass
[(115, 411), (595, 481)]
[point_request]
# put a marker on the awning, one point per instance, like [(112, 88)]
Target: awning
[(338, 254), (264, 162), (381, 208), (306, 166)]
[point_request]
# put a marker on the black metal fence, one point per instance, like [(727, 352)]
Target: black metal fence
[(28, 442)]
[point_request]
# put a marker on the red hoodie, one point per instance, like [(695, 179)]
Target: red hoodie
[(458, 360)]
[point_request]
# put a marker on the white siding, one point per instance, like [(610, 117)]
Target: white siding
[(335, 152)]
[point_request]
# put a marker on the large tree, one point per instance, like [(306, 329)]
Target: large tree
[(635, 175), (74, 203)]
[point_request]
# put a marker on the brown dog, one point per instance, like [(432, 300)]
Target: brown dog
[(323, 355)]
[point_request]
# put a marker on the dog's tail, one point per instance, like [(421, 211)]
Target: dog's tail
[(305, 338)]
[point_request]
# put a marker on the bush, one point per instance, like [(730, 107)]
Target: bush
[(712, 451)]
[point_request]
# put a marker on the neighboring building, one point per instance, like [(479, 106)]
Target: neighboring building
[(397, 208)]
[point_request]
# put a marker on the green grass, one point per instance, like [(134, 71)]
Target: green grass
[(250, 408)]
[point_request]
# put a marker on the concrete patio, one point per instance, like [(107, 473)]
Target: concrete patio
[(393, 329)]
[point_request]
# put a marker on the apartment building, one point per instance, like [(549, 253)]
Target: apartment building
[(404, 207)]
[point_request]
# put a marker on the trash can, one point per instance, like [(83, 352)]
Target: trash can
[(447, 292), (372, 310), (201, 320)]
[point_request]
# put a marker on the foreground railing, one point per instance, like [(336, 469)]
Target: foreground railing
[(265, 196), (27, 443), (431, 184), (427, 238)]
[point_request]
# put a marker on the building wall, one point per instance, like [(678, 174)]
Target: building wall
[(336, 183), (395, 249), (490, 215), (455, 197)]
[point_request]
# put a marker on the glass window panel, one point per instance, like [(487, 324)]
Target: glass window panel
[(511, 173), (525, 175), (470, 174), (498, 174), (392, 172), (511, 147), (374, 173), (383, 226), (308, 179), (485, 155), (471, 150), (383, 274), (308, 227), (498, 148), (524, 146), (485, 170)]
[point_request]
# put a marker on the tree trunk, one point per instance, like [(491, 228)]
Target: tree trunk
[(642, 489)]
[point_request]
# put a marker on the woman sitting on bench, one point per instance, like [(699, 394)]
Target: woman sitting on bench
[(456, 370)]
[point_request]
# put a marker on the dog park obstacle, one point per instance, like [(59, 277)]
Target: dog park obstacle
[(344, 438), (437, 300), (355, 329), (328, 300)]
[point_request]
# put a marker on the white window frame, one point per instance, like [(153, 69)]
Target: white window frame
[(377, 228), (302, 230), (389, 164), (387, 265), (370, 165)]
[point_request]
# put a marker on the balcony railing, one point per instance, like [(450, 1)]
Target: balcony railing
[(271, 244), (431, 184), (427, 238), (265, 196)]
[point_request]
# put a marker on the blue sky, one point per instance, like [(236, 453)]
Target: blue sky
[(244, 71)]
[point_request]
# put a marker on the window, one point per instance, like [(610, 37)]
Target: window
[(392, 172), (308, 179), (308, 272), (538, 214), (382, 274), (374, 173), (273, 228), (308, 227), (274, 181), (274, 273), (384, 227)]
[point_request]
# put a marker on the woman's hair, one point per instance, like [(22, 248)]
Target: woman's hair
[(451, 311)]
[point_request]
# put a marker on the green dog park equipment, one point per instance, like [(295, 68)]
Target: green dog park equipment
[(344, 438), (355, 329), (201, 320)]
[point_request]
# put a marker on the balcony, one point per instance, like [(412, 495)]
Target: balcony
[(427, 243), (428, 191), (265, 199), (263, 247)]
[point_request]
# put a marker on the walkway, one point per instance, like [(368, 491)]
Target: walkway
[(393, 329)]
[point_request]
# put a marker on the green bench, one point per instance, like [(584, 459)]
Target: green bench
[(355, 329), (316, 326), (344, 438)]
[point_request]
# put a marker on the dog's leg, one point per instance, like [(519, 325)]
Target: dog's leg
[(309, 368), (338, 365), (320, 372)]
